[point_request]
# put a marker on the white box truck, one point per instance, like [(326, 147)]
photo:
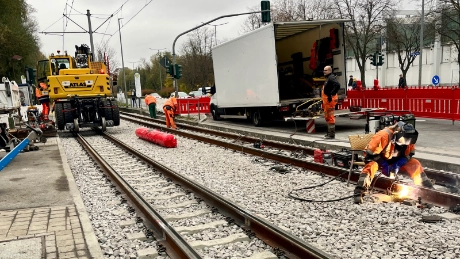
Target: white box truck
[(267, 73)]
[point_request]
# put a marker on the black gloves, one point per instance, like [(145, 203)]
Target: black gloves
[(329, 98)]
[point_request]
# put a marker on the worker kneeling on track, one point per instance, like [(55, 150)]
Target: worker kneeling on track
[(170, 108), (391, 149)]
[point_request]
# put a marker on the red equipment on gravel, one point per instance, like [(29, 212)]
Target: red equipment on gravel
[(157, 137)]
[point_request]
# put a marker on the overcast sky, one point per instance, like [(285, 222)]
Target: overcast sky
[(154, 27)]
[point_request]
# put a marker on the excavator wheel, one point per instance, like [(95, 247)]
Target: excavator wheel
[(63, 117), (112, 114)]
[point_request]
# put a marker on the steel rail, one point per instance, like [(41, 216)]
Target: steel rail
[(441, 178), (439, 198), (277, 238), (176, 246)]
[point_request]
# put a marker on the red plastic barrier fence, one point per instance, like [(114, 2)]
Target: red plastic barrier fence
[(428, 102), (194, 105), (157, 137)]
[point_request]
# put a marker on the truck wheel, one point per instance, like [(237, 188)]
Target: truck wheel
[(215, 115), (256, 118), (59, 116)]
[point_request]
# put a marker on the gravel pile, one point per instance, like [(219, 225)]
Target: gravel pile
[(342, 229)]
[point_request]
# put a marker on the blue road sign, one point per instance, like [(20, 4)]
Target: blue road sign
[(414, 54), (435, 80)]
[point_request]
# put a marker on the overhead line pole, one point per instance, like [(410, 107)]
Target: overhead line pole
[(422, 24), (123, 63), (91, 34)]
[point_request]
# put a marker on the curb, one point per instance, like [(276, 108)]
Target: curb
[(90, 237)]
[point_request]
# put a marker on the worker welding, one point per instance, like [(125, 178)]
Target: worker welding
[(391, 150)]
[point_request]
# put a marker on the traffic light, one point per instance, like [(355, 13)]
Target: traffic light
[(170, 70), (178, 71), (381, 59), (265, 6), (374, 59)]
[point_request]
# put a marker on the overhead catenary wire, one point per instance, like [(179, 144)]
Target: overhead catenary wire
[(130, 19)]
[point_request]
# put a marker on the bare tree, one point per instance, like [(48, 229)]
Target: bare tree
[(447, 15), (298, 10), (403, 37), (254, 21), (292, 10), (365, 27), (196, 59), (110, 52)]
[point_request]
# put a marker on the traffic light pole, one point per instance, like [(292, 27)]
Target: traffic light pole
[(194, 28), (377, 69)]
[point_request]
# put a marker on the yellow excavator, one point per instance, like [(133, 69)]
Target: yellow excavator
[(80, 88)]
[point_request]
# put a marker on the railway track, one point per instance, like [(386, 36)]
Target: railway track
[(441, 198), (153, 189)]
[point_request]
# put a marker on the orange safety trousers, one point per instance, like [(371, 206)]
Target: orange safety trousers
[(169, 114), (46, 108), (329, 108), (413, 168)]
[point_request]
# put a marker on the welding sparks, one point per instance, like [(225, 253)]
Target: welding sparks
[(404, 192)]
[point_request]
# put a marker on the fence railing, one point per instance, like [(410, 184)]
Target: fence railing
[(428, 102), (193, 106)]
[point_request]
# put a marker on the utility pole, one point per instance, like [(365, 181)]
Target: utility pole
[(159, 69), (159, 65), (422, 24), (90, 31), (123, 63), (215, 30)]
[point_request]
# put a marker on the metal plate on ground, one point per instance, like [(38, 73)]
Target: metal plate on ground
[(22, 249), (431, 219)]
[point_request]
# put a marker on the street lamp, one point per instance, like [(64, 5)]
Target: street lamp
[(215, 30), (134, 63), (123, 62), (159, 68)]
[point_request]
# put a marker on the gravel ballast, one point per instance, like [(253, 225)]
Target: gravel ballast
[(343, 229)]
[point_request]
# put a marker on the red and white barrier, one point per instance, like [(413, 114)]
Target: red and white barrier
[(311, 126), (428, 102), (193, 105), (157, 137)]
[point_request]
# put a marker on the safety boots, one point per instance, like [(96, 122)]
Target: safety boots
[(363, 184), (330, 131), (426, 182)]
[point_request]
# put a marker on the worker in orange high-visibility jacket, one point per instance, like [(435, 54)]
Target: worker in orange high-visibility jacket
[(170, 108), (151, 102), (384, 152), (42, 95), (330, 99)]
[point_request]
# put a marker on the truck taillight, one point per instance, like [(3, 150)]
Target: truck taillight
[(102, 71), (101, 88), (284, 108), (55, 90)]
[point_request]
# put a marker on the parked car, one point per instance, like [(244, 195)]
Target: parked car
[(181, 95), (157, 96), (197, 94)]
